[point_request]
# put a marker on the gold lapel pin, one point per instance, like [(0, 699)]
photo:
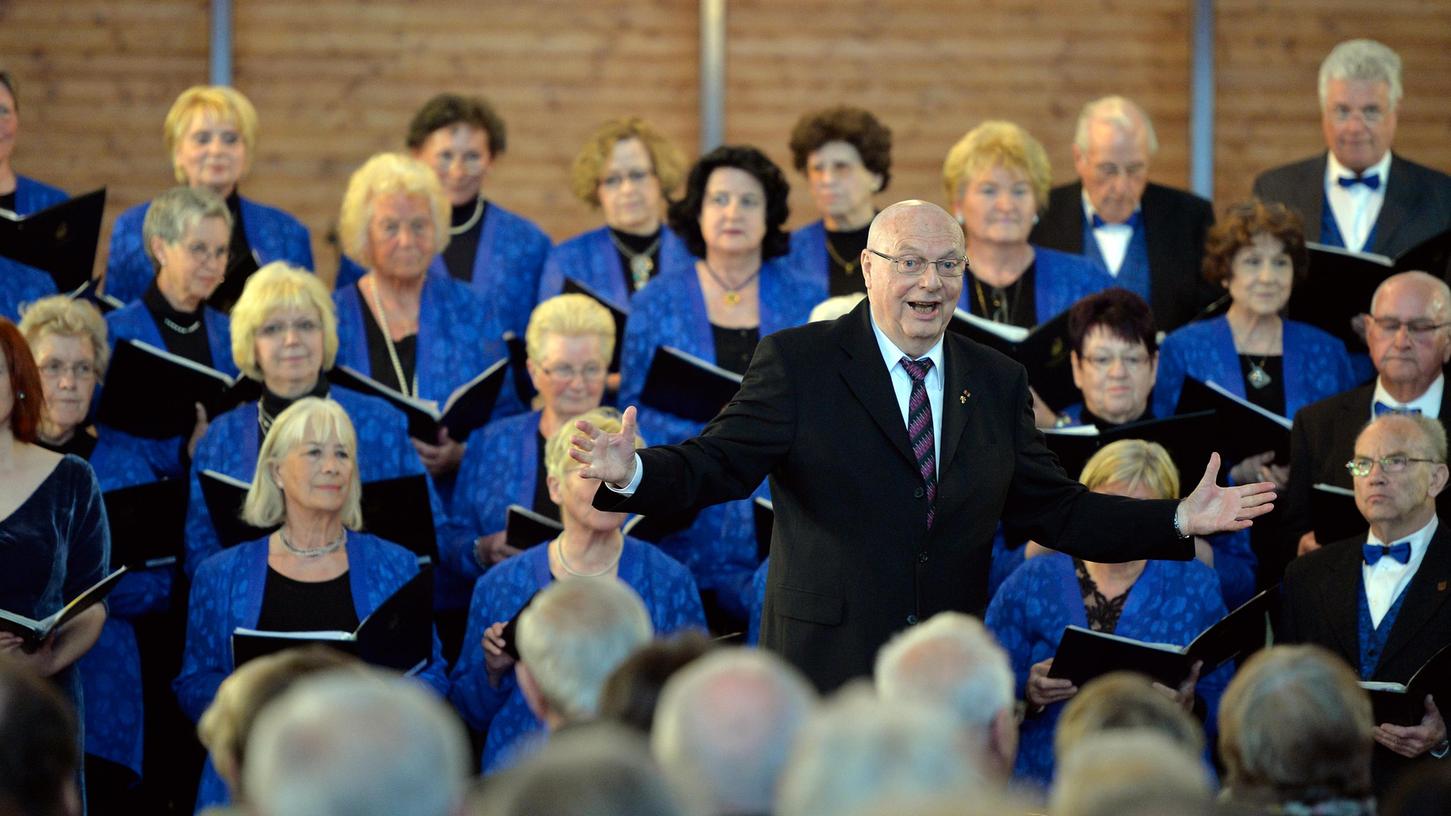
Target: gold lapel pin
[(962, 398), (1440, 586)]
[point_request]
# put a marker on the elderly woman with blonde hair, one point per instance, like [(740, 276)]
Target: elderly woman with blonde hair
[(485, 690), (317, 572), (211, 134), (284, 336), (404, 323), (1155, 601), (569, 343)]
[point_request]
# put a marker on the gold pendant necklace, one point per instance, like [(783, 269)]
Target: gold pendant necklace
[(848, 269), (731, 294), (642, 264)]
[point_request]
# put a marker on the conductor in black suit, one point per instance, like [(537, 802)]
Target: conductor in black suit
[(1357, 194), (1148, 236), (892, 453), (1380, 600)]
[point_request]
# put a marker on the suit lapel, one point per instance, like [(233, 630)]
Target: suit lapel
[(1313, 205), (1340, 594), (1425, 595), (869, 381), (1397, 210)]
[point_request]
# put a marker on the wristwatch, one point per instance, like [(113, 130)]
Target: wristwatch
[(1440, 751)]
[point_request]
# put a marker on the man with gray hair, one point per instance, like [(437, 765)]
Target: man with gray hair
[(357, 744), (725, 726), (952, 662), (1149, 237), (1357, 195)]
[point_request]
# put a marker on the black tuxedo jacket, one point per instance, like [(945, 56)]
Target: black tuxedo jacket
[(1322, 441), (1175, 223), (851, 559), (1417, 201), (1321, 605)]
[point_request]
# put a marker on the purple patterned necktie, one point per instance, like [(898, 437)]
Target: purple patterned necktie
[(919, 430)]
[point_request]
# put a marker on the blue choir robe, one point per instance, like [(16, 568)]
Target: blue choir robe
[(500, 468), (591, 259), (227, 593), (506, 270), (21, 284), (662, 583), (272, 234), (1316, 364), (1059, 281), (1171, 602)]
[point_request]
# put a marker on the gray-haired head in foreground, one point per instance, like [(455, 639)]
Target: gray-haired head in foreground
[(600, 769), (727, 722), (951, 661), (350, 744), (1108, 772)]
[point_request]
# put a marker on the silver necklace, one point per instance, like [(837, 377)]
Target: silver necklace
[(1257, 376), (316, 552), (641, 263), (474, 219), (406, 388), (559, 550), (180, 329)]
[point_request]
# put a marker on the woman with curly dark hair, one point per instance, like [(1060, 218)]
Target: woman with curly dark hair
[(846, 155)]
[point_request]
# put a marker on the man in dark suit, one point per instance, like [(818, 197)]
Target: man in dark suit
[(1148, 236), (850, 419), (1358, 195), (1409, 335), (1380, 601)]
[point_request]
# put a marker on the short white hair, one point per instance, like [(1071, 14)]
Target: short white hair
[(1438, 293), (725, 725), (835, 306), (1363, 60), (1112, 769), (1119, 111), (950, 661), (574, 634), (357, 744), (859, 751)]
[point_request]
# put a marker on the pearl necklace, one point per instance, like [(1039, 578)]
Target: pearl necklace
[(392, 350), (469, 224), (316, 552)]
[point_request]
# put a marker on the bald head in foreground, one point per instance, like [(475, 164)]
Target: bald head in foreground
[(893, 451)]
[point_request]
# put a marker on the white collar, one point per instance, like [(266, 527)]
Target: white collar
[(1429, 402), (891, 355), (1419, 540), (1089, 211), (1334, 170)]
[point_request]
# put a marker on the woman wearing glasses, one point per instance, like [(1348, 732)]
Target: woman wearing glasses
[(489, 249), (569, 343)]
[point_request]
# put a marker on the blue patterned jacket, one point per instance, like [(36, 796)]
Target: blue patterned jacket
[(272, 234), (500, 468), (511, 254), (591, 259), (21, 283), (1171, 602), (1060, 280), (664, 585)]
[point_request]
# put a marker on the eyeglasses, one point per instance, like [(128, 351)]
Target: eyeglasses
[(1420, 330), (272, 331), (471, 162), (55, 369), (1132, 361), (419, 228), (1109, 170), (1395, 463), (566, 373), (615, 181), (201, 254), (1370, 114), (914, 266)]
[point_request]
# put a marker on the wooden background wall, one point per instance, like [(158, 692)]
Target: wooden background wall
[(336, 80)]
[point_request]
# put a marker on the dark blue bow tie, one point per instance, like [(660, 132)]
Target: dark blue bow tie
[(1099, 223), (1398, 552), (1371, 181), (1381, 408)]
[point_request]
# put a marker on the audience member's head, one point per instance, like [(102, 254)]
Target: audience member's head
[(861, 752), (357, 744), (226, 725), (572, 635), (953, 663), (632, 690), (726, 724), (1409, 332), (1125, 701), (38, 747), (1114, 773), (1295, 727)]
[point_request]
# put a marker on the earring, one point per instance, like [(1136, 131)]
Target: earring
[(1035, 220), (960, 219), (20, 395)]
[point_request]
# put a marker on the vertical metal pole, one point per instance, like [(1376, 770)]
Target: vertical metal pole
[(712, 73), (220, 58), (1201, 110)]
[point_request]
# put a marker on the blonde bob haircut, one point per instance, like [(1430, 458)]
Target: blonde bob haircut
[(569, 316), (62, 316), (556, 451), (223, 103), (1133, 462), (389, 174), (589, 164), (310, 418), (996, 143), (277, 286)]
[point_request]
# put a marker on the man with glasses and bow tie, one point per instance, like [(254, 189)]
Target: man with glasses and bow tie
[(893, 450), (1358, 195), (1380, 600), (1408, 332)]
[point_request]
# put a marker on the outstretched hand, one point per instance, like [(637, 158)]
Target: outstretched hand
[(1214, 509), (609, 457)]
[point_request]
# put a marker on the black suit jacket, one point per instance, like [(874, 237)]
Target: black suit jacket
[(1321, 605), (1175, 223), (1417, 201), (851, 559)]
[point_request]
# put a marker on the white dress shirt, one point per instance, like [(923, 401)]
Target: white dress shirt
[(1355, 207), (1429, 402), (1113, 239), (1388, 578)]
